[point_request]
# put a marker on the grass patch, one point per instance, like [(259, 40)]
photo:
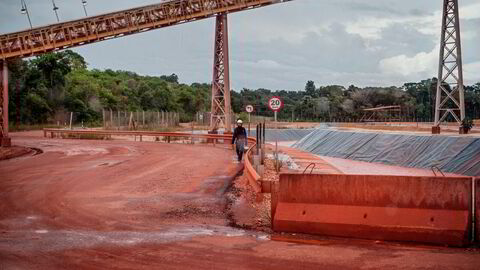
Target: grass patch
[(86, 137), (14, 128)]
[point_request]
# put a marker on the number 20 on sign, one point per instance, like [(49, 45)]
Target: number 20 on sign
[(275, 104)]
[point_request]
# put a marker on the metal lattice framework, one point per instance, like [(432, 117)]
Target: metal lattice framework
[(40, 40), (450, 93), (65, 35), (221, 77)]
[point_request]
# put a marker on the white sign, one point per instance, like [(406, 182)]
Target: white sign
[(275, 104), (249, 108)]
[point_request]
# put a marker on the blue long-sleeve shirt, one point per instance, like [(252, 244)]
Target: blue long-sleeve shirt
[(239, 133)]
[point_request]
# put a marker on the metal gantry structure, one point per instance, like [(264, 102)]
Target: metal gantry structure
[(40, 40), (450, 90), (221, 101)]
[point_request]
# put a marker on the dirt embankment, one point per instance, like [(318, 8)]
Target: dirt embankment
[(16, 151), (247, 209)]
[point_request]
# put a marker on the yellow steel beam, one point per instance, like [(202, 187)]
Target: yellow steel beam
[(70, 34)]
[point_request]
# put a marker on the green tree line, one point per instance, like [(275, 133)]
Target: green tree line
[(61, 81), (335, 102)]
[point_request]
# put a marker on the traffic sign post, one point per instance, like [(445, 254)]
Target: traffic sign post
[(275, 104), (249, 109)]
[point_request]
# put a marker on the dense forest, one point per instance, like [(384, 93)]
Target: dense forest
[(61, 82)]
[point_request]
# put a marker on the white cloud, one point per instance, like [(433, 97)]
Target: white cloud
[(261, 64), (421, 63), (471, 73), (470, 11), (374, 43)]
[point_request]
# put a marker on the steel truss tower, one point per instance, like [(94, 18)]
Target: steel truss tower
[(450, 92), (221, 77), (4, 139)]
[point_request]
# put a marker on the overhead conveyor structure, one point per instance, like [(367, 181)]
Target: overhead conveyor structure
[(40, 40), (65, 35)]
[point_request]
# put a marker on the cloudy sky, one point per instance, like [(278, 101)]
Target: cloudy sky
[(361, 42)]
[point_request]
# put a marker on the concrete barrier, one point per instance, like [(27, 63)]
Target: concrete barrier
[(398, 208)]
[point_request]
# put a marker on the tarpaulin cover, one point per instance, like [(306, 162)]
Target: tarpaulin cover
[(449, 153), (285, 135), (282, 135)]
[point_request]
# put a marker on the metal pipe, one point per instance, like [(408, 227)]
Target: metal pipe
[(84, 3), (55, 8), (263, 141), (24, 10), (257, 135)]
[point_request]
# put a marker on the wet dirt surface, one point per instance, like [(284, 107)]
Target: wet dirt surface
[(131, 205), (14, 151)]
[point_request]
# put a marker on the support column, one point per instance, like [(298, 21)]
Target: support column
[(450, 93), (5, 140), (221, 77)]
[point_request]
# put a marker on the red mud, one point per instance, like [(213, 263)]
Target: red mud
[(132, 205), (13, 152)]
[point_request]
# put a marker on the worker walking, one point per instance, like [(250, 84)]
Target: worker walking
[(240, 139)]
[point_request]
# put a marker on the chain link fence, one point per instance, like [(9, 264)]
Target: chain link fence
[(146, 120), (204, 118)]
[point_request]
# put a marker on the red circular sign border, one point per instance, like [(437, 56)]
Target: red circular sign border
[(281, 105)]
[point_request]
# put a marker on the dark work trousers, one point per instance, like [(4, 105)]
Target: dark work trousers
[(240, 147)]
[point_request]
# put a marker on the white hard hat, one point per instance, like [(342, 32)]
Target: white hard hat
[(239, 121)]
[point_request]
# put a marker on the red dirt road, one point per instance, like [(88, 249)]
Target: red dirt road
[(132, 205)]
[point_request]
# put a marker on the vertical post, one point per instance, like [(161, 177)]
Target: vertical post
[(17, 122), (276, 143), (5, 140), (221, 112), (450, 98), (119, 124), (111, 118), (71, 118), (103, 117), (193, 127), (474, 202), (258, 137), (263, 141), (163, 118)]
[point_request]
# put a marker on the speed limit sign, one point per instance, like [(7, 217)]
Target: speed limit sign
[(275, 104), (249, 108)]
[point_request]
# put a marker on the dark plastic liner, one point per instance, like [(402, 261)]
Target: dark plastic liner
[(282, 135), (449, 153)]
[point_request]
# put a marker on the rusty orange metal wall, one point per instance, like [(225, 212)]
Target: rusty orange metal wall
[(400, 208)]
